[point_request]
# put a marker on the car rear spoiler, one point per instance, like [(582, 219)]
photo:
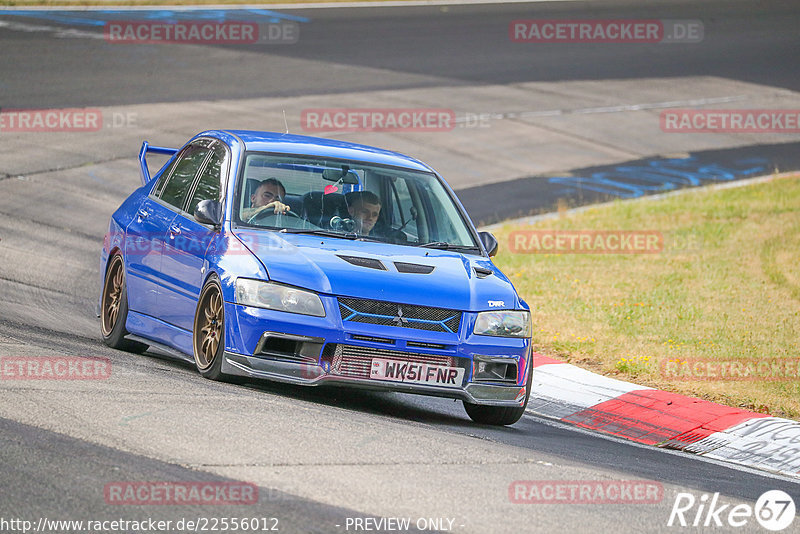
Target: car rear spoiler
[(147, 149)]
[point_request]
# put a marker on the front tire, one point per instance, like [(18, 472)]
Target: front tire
[(114, 308), (208, 335), (500, 415)]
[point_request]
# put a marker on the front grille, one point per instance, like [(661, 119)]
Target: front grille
[(355, 362), (421, 345), (401, 315), (373, 339)]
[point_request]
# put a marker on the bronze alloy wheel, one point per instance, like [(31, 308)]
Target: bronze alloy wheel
[(112, 295), (114, 308), (209, 324)]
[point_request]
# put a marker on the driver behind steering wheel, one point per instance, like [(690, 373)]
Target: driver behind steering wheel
[(268, 195)]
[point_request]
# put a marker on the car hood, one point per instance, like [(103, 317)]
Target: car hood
[(369, 270)]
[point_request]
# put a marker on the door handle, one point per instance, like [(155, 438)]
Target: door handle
[(142, 213), (174, 230)]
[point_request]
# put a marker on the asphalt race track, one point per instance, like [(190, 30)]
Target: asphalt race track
[(319, 457), (747, 41)]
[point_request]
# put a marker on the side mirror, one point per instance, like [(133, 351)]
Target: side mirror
[(489, 242), (208, 212)]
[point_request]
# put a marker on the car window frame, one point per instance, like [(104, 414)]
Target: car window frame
[(223, 174), (205, 142), (237, 223), (155, 191), (416, 202), (201, 166)]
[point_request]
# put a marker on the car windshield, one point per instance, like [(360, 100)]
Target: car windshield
[(349, 199)]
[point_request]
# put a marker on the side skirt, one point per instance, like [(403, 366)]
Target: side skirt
[(152, 331)]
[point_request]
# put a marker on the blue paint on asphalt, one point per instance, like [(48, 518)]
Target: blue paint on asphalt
[(656, 176), (101, 16)]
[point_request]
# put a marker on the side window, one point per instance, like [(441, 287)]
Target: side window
[(163, 177), (209, 186), (441, 221), (186, 168), (402, 207)]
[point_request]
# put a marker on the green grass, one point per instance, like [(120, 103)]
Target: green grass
[(725, 287)]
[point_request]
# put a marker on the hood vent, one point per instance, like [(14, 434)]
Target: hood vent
[(369, 263), (415, 268), (482, 272)]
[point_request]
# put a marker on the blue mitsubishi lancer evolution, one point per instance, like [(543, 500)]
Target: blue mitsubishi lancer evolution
[(315, 262)]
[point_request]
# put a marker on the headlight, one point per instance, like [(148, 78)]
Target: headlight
[(276, 297), (507, 323)]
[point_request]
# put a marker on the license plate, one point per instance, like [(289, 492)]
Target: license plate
[(416, 373)]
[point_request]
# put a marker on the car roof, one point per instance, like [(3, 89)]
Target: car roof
[(316, 146)]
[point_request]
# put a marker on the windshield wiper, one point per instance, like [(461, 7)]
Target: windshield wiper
[(320, 231), (441, 245), (328, 233)]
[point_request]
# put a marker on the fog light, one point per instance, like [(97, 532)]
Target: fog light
[(496, 370)]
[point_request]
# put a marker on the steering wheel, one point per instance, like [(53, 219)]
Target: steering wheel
[(258, 217)]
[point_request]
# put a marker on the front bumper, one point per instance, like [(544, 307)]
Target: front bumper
[(309, 365), (307, 374)]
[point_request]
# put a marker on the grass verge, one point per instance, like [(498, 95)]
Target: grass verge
[(698, 317)]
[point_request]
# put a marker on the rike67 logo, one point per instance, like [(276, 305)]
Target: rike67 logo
[(774, 510)]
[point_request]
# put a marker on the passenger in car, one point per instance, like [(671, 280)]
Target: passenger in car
[(365, 208), (268, 194)]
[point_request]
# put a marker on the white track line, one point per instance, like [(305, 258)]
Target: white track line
[(614, 109), (310, 5), (738, 467), (57, 31)]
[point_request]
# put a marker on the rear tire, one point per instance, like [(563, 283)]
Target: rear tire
[(114, 308), (500, 415)]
